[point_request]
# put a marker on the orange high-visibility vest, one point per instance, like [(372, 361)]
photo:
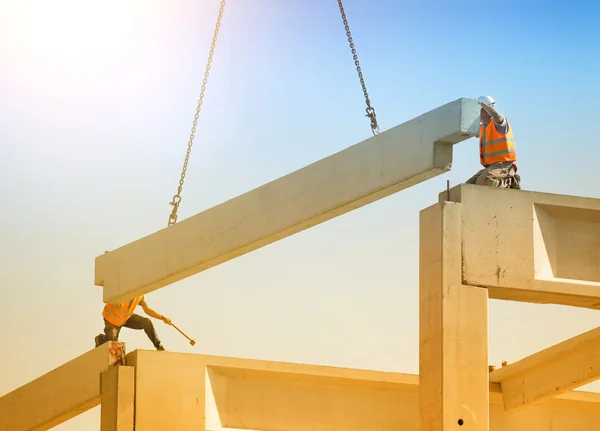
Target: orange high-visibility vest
[(494, 146), (117, 314)]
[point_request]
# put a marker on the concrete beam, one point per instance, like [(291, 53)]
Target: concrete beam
[(453, 339), (530, 246), (179, 391), (564, 366), (60, 394), (394, 160), (117, 399)]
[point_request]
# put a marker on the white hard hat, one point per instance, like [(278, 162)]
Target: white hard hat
[(488, 100)]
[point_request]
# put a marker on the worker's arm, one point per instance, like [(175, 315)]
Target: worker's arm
[(498, 118), (150, 312)]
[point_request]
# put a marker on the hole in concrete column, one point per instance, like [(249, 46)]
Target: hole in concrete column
[(460, 422)]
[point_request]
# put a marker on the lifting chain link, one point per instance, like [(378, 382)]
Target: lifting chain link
[(370, 110), (177, 198)]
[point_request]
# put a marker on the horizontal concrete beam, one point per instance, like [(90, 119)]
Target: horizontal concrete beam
[(60, 394), (564, 366), (178, 391), (529, 246), (361, 174)]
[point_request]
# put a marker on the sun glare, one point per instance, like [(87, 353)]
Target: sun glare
[(67, 40)]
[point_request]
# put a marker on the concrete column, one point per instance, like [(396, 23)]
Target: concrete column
[(453, 354), (117, 399)]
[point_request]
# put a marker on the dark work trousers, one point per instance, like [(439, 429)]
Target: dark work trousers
[(134, 322)]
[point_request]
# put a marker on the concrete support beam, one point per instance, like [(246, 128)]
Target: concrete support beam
[(453, 339), (564, 366), (394, 160), (179, 392), (530, 246), (60, 394), (117, 399)]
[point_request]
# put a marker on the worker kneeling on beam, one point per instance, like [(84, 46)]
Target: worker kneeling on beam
[(497, 152), (118, 315)]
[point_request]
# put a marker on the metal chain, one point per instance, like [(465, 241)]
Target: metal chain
[(177, 198), (370, 110)]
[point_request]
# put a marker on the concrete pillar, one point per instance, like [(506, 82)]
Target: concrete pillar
[(453, 354), (117, 399)]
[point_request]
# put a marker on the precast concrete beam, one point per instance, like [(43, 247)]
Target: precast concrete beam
[(179, 392), (60, 394), (396, 159), (530, 246), (568, 365)]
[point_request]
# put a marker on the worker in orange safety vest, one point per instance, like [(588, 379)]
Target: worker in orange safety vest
[(118, 315), (497, 153)]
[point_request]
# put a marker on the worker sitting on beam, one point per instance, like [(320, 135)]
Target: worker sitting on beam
[(118, 315), (497, 152)]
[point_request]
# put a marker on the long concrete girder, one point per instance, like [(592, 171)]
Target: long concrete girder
[(396, 159), (529, 246), (180, 391), (60, 394), (177, 391), (552, 371)]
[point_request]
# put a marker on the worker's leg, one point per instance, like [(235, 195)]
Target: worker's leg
[(516, 182), (502, 175), (111, 333), (138, 322), (100, 339), (473, 179), (484, 178)]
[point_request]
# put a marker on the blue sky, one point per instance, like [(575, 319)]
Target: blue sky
[(96, 108)]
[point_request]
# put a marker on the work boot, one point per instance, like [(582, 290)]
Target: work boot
[(100, 339)]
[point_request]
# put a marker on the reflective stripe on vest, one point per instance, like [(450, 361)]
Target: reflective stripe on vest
[(117, 314), (494, 146)]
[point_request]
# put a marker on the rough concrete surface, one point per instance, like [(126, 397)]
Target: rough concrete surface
[(530, 246)]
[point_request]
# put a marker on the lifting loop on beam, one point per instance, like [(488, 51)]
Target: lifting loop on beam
[(369, 109), (177, 198)]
